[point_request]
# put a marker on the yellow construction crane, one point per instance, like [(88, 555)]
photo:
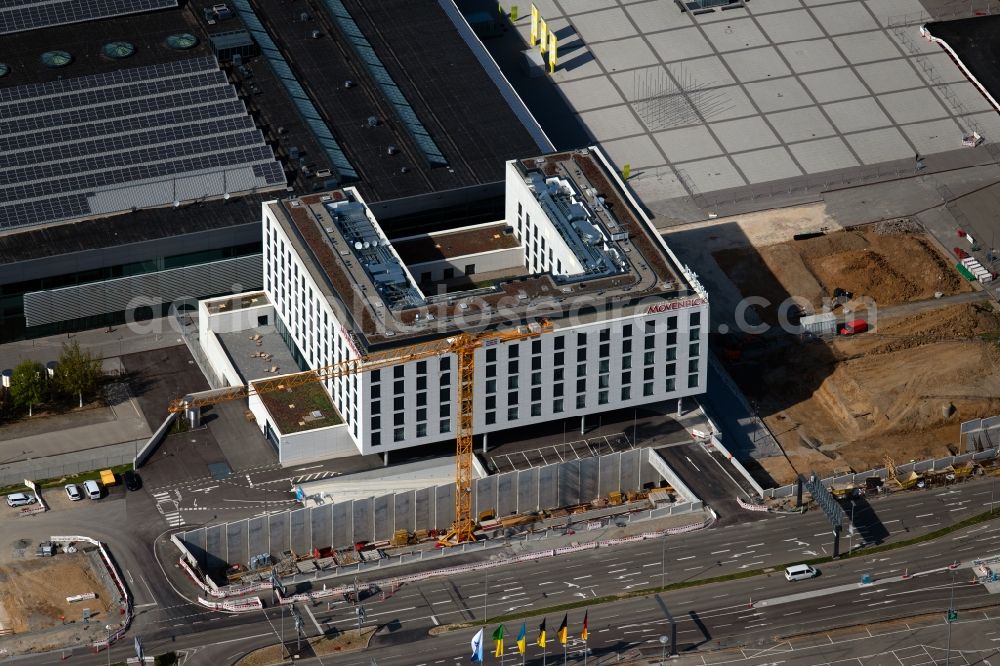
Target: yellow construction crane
[(463, 346)]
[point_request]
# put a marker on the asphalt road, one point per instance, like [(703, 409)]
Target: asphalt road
[(718, 612), (754, 614)]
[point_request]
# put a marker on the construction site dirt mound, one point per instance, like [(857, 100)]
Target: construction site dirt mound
[(33, 592), (901, 389), (890, 269)]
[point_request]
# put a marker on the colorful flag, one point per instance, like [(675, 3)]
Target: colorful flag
[(541, 634), (563, 630), (584, 634), (522, 642), (477, 647), (498, 639)]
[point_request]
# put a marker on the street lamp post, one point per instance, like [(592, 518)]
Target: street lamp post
[(951, 612), (663, 650), (851, 551), (663, 562), (108, 627)]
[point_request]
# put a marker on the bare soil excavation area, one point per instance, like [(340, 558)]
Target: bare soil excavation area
[(902, 388), (34, 612)]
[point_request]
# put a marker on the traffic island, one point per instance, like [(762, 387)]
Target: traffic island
[(319, 646)]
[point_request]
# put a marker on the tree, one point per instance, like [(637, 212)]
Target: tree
[(78, 372), (27, 384)]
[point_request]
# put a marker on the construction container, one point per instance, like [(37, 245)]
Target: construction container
[(965, 272), (854, 327)]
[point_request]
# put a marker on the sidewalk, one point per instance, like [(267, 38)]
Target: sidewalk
[(143, 336)]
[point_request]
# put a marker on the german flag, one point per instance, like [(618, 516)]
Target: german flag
[(584, 633), (564, 630)]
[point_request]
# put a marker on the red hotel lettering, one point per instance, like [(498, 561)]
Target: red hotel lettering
[(350, 342), (675, 305)]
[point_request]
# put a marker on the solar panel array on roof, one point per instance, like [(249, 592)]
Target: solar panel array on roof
[(384, 80), (20, 15), (135, 138), (302, 102)]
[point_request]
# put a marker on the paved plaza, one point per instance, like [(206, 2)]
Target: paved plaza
[(754, 95)]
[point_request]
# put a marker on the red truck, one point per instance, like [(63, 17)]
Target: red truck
[(854, 327), (960, 253)]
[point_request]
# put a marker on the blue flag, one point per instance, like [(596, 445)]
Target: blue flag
[(477, 647)]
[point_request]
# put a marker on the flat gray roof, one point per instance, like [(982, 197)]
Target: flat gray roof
[(352, 293)]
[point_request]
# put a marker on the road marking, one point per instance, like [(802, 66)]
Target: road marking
[(716, 552), (435, 620), (689, 557), (924, 515), (825, 607), (313, 618), (173, 518), (621, 570), (305, 469), (692, 464)]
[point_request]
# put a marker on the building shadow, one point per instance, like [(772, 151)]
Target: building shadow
[(541, 95), (756, 337)]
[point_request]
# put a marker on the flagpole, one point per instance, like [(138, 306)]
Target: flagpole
[(564, 653)]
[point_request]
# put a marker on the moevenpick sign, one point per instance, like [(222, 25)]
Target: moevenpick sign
[(675, 305)]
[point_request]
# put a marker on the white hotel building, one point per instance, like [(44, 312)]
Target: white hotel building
[(630, 324)]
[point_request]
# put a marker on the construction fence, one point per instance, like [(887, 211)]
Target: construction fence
[(901, 471), (343, 524)]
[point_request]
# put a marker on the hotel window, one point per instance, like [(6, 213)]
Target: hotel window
[(421, 399), (559, 342), (647, 388), (557, 375), (421, 430), (444, 425), (557, 406), (512, 413), (626, 393), (536, 409), (692, 381), (397, 435), (581, 401), (491, 418), (602, 397)]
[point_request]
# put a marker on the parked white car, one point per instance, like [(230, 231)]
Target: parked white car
[(93, 489), (20, 499), (73, 492)]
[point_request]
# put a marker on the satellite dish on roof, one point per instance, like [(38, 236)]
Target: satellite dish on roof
[(177, 204), (358, 245), (226, 196), (367, 245)]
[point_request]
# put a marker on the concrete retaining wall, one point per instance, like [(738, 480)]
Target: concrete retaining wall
[(147, 450)]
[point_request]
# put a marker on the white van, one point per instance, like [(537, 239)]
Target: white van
[(92, 489), (800, 572)]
